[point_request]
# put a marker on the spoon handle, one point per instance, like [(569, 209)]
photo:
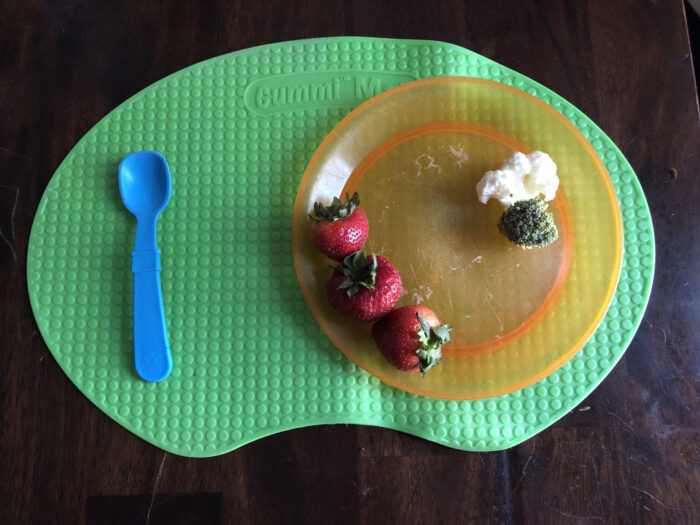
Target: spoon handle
[(151, 347)]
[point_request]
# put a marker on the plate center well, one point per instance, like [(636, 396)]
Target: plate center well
[(418, 190)]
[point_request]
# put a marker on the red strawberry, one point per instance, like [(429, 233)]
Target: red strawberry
[(339, 229), (363, 287), (411, 337)]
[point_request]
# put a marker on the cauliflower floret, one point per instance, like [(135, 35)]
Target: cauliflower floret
[(521, 177), (502, 185), (542, 177), (518, 163)]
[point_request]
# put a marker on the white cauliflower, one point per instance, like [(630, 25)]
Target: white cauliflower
[(502, 185), (542, 177), (520, 178)]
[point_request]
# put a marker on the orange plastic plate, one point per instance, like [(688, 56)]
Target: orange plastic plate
[(415, 154)]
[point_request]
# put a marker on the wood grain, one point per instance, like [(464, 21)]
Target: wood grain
[(629, 454)]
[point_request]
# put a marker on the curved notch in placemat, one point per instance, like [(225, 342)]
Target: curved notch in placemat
[(249, 358)]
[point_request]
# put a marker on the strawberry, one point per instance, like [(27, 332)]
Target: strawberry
[(364, 287), (339, 229), (411, 337)]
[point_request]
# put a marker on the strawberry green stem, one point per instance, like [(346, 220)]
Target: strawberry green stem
[(360, 272), (336, 210), (431, 340)]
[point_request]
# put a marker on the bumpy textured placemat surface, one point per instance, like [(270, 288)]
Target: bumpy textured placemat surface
[(249, 358)]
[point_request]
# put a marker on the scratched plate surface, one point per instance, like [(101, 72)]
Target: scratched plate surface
[(249, 357)]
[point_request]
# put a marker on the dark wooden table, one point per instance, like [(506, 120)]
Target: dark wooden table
[(633, 457)]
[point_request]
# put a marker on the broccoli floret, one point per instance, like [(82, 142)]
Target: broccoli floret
[(528, 224)]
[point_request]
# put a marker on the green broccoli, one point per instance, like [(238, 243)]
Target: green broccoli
[(528, 224)]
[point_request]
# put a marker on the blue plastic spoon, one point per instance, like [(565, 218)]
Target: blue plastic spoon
[(144, 184)]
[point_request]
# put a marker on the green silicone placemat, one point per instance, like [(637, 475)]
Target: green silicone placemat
[(249, 358)]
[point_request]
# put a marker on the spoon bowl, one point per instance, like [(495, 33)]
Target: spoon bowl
[(144, 183)]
